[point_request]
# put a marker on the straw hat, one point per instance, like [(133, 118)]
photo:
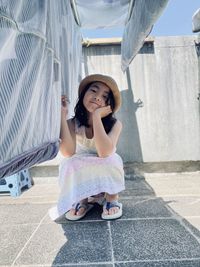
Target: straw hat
[(109, 81)]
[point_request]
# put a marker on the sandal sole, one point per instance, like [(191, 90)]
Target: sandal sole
[(70, 217), (113, 216)]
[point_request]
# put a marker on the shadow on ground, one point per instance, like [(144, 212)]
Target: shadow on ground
[(150, 233)]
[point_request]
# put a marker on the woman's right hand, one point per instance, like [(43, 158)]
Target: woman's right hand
[(103, 111)]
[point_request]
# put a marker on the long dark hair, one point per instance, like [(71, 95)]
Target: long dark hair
[(81, 113)]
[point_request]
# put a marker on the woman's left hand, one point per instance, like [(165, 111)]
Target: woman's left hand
[(64, 105), (103, 111)]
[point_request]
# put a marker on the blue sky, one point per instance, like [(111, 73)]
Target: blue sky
[(175, 20)]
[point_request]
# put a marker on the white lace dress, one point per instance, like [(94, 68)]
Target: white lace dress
[(85, 174)]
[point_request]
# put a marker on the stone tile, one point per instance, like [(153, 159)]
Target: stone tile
[(145, 208), (23, 213), (174, 184), (45, 199), (137, 187), (187, 208), (41, 190), (13, 238), (194, 225), (76, 242), (184, 263), (152, 240), (184, 205)]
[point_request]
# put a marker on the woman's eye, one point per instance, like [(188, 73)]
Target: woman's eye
[(93, 90)]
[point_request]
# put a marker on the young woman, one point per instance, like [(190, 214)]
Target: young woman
[(88, 141)]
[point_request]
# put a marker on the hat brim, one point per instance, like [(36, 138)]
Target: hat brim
[(109, 81)]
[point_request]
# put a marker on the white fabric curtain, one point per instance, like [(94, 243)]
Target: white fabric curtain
[(40, 52), (101, 13), (196, 21), (144, 15), (137, 16)]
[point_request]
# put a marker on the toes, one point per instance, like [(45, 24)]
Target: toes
[(105, 212), (72, 211), (113, 210), (80, 211)]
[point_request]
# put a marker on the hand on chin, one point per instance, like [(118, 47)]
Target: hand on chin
[(102, 111)]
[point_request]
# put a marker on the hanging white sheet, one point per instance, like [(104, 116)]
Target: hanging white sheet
[(144, 15), (101, 13), (196, 21), (40, 52)]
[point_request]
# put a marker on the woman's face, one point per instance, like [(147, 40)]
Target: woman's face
[(96, 96)]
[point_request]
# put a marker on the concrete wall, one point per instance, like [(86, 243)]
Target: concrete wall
[(160, 111)]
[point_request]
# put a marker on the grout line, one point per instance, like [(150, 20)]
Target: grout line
[(164, 174), (161, 260), (148, 218), (111, 244), (19, 254), (195, 201), (121, 219), (64, 264), (100, 220), (156, 196), (103, 221), (102, 263), (182, 196), (190, 231)]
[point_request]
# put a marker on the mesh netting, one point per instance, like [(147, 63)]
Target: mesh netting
[(40, 52)]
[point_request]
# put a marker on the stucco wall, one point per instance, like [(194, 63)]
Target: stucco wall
[(160, 111)]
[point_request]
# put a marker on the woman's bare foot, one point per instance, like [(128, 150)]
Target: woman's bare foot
[(79, 211), (112, 210)]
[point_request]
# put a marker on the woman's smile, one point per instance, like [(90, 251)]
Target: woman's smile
[(95, 103)]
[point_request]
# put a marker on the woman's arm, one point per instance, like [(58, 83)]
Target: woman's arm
[(67, 132), (105, 143)]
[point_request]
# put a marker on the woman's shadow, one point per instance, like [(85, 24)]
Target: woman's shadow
[(129, 146)]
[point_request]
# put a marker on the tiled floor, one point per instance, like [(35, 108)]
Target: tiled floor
[(160, 227)]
